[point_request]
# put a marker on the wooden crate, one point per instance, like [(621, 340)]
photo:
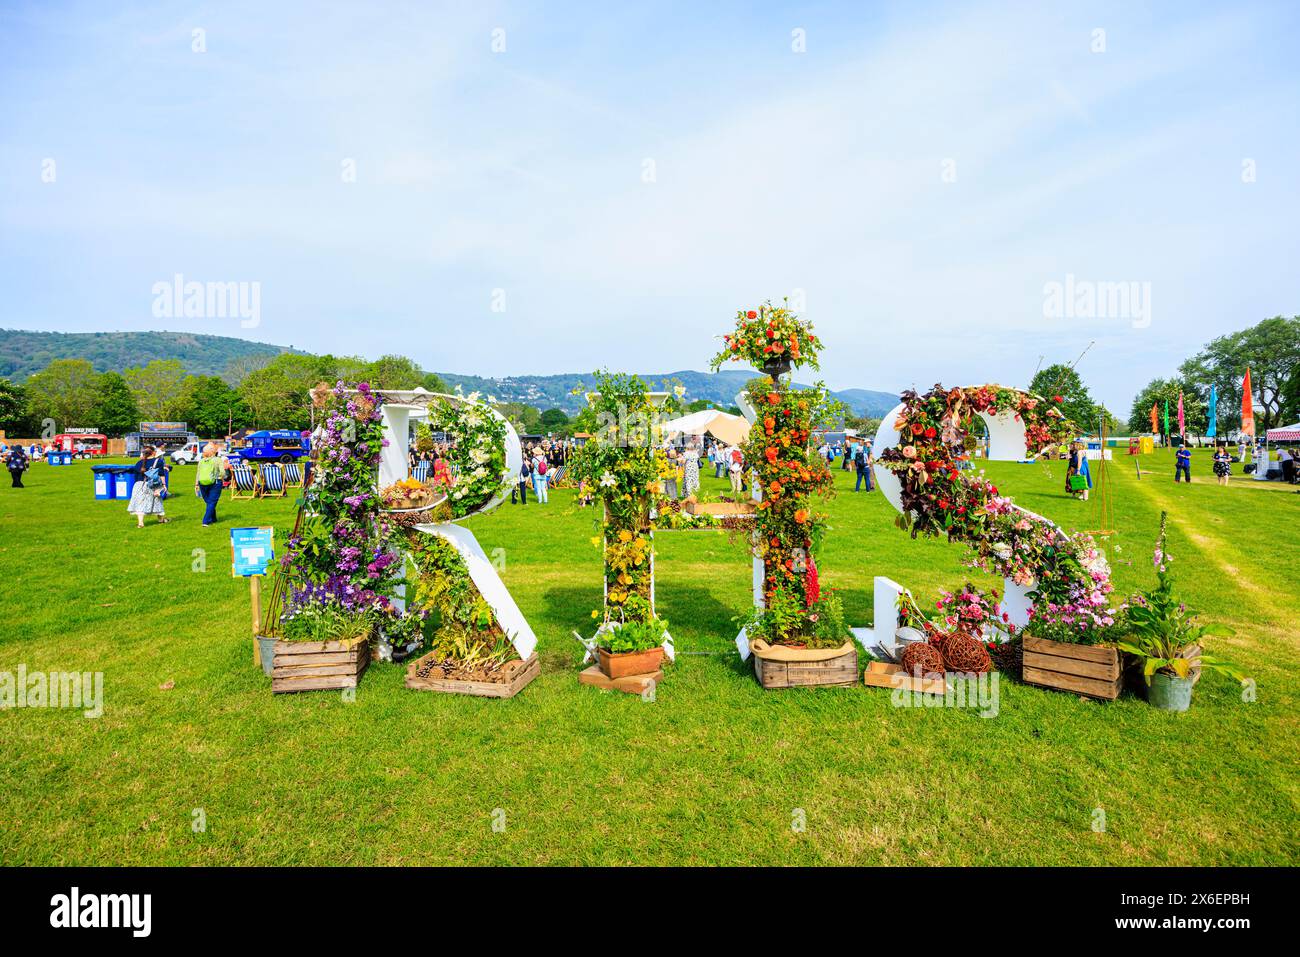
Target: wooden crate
[(632, 684), (524, 672), (882, 674), (840, 671), (318, 665), (1092, 670), (719, 509)]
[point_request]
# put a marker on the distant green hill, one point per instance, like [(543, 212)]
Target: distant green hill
[(546, 391), (23, 353)]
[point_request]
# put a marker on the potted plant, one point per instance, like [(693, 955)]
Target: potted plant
[(631, 647), (1166, 640)]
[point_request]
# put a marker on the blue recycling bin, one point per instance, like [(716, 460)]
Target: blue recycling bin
[(105, 481), (65, 458), (52, 458), (123, 481)]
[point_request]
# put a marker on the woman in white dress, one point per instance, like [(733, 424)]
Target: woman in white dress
[(691, 463), (150, 487)]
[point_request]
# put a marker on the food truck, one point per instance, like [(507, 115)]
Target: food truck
[(271, 445), (82, 443)]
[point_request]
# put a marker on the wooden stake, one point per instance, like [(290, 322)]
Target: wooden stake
[(255, 591)]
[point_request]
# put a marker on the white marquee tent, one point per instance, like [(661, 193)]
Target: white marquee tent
[(723, 426)]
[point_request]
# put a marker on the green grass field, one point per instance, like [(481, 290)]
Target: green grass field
[(710, 772)]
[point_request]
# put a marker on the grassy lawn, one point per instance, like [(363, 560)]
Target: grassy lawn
[(711, 772)]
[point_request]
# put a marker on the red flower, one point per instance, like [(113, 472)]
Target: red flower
[(1057, 398), (930, 432), (917, 428), (751, 314)]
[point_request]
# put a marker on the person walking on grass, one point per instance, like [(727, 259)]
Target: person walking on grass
[(208, 479), (541, 477), (1183, 463), (150, 487), (519, 494), (17, 463), (862, 462), (1222, 464)]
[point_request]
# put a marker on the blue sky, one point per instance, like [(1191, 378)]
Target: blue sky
[(916, 177)]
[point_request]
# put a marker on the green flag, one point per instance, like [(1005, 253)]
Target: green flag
[(1166, 416)]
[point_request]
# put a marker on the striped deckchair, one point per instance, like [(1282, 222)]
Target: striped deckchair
[(292, 475), (273, 479), (421, 471), (243, 483)]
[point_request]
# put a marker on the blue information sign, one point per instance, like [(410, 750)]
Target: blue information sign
[(252, 550)]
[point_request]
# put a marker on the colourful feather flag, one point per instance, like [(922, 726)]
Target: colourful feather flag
[(1247, 407), (1212, 414), (1182, 421), (1166, 416), (1155, 418)]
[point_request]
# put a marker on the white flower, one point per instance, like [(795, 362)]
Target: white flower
[(479, 456), (608, 481)]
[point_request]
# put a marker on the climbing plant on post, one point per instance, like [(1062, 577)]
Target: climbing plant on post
[(620, 466), (796, 632)]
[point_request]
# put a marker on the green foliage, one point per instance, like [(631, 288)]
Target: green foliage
[(621, 637), (554, 421), (16, 419), (116, 412), (65, 391), (786, 621), (1271, 349), (1159, 391), (212, 407), (159, 389), (23, 353), (464, 628), (1077, 405), (1164, 629)]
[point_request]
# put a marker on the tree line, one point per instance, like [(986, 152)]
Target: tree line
[(1270, 349), (254, 392)]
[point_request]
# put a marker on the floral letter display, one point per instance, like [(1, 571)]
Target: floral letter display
[(621, 465), (481, 643), (793, 620), (1065, 577)]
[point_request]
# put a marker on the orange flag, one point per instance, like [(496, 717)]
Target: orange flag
[(1155, 425), (1247, 407)]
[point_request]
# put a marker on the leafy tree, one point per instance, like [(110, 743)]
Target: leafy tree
[(1157, 392), (393, 372), (525, 418), (1271, 349), (66, 391), (214, 407), (554, 420), (159, 388), (432, 382), (16, 419), (116, 412), (1078, 406), (241, 367)]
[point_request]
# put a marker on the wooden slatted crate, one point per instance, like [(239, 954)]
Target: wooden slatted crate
[(523, 673), (838, 671), (1092, 670), (318, 665)]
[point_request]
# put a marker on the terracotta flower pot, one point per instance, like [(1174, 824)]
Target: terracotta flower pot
[(626, 663)]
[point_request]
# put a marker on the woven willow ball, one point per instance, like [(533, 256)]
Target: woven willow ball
[(922, 658), (966, 654)]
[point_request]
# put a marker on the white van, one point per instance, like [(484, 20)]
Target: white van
[(189, 453)]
